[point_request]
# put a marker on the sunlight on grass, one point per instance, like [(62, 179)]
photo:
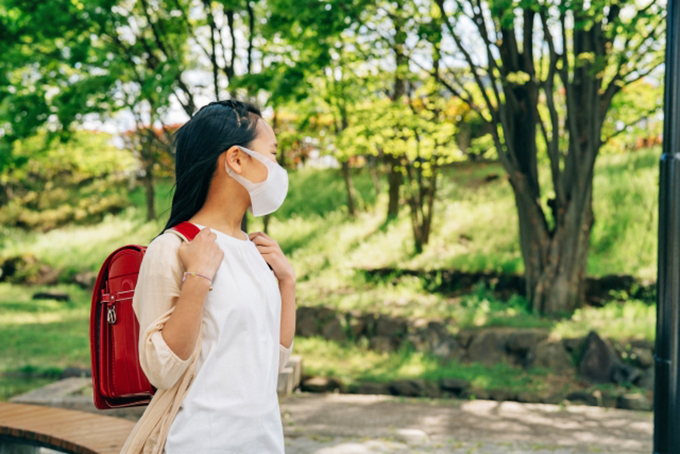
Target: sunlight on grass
[(357, 363), (617, 320), (625, 193), (76, 248), (43, 332)]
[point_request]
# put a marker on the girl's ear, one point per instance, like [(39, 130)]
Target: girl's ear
[(233, 155)]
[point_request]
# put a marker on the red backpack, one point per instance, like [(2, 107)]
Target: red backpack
[(117, 377)]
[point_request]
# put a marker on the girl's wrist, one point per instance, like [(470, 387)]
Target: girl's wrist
[(196, 284), (288, 281), (197, 275)]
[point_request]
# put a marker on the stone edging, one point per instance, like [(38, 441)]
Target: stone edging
[(590, 358)]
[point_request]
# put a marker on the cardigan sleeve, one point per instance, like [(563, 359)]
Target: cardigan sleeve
[(284, 355), (156, 293)]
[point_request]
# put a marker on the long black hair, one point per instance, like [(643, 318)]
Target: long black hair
[(198, 144)]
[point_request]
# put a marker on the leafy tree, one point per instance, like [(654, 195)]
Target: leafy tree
[(636, 118), (574, 56), (420, 133), (310, 60), (64, 183), (385, 28), (65, 59)]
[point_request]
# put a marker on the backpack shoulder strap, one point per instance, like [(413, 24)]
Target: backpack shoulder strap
[(185, 230)]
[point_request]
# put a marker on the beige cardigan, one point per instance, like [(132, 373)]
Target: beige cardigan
[(158, 288)]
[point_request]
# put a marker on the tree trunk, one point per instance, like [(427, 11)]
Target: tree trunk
[(150, 194), (394, 180), (265, 221), (427, 221), (348, 185), (421, 204), (244, 223), (555, 267)]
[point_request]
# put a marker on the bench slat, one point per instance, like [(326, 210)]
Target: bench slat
[(73, 430)]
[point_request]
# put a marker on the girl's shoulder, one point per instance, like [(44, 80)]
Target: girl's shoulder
[(163, 248)]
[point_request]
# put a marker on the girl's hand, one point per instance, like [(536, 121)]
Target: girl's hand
[(272, 254), (202, 255)]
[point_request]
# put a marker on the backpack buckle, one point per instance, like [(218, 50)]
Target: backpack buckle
[(111, 311), (111, 315)]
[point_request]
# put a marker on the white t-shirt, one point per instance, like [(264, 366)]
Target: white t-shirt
[(232, 405)]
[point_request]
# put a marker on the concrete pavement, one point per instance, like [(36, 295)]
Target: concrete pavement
[(353, 424)]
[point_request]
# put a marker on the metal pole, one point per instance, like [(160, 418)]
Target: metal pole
[(667, 385)]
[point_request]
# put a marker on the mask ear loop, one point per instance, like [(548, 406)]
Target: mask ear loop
[(249, 185)]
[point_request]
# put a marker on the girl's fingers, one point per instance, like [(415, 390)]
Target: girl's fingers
[(267, 249), (261, 240)]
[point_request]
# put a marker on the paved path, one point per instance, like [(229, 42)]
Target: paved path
[(357, 424)]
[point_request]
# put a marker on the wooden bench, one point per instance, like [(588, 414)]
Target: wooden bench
[(71, 431)]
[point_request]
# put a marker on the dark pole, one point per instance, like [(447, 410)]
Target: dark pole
[(666, 386)]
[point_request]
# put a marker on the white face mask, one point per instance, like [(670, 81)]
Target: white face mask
[(268, 195)]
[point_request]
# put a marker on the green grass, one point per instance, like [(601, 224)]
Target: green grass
[(475, 229), (351, 362)]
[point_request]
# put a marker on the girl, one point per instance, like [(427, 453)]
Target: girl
[(217, 314)]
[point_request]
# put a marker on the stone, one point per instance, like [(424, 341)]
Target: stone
[(54, 391), (356, 323), (369, 321), (417, 341), (380, 344), (608, 398), (368, 388), (624, 373), (574, 345), (454, 385), (528, 397), (306, 322), (501, 395), (464, 337), (418, 323), (550, 354), (333, 330), (19, 269), (635, 402), (284, 386), (76, 372), (431, 389), (409, 387), (552, 398), (46, 275), (448, 349), (647, 380), (320, 384), (584, 398), (487, 347), (643, 344), (295, 362), (85, 279), (598, 359), (598, 290), (475, 393), (58, 296), (434, 334), (642, 357), (390, 326), (523, 340)]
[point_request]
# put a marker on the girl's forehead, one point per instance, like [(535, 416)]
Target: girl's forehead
[(266, 130)]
